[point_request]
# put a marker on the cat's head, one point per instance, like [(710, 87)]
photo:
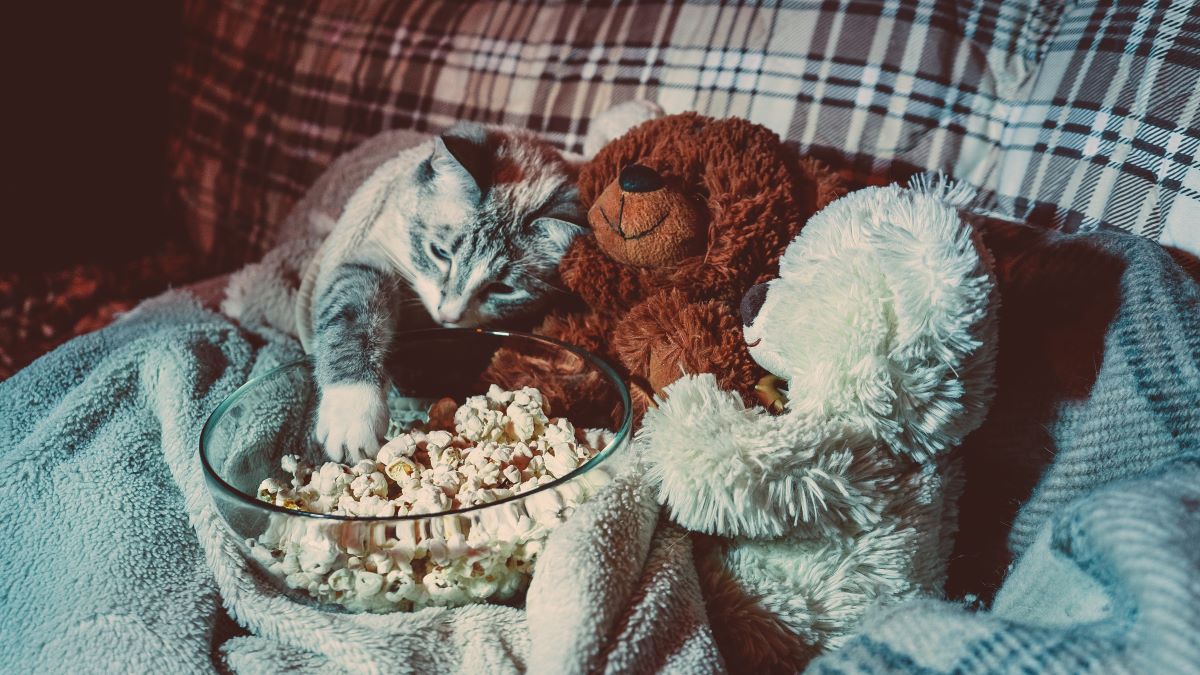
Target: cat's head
[(497, 210)]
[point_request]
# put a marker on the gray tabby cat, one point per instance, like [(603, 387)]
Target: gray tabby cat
[(466, 230)]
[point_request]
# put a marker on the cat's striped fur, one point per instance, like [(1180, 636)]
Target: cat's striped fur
[(466, 231)]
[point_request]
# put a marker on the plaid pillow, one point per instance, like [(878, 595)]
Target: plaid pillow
[(1072, 115)]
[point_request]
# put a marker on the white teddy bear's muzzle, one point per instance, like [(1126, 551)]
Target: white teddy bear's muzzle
[(755, 307)]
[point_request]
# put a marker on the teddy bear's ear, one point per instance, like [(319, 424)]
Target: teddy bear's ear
[(955, 194), (614, 122)]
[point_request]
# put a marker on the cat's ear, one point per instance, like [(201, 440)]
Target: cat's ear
[(459, 160), (560, 233)]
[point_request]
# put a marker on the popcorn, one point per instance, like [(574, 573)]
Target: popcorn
[(430, 499), (450, 456), (498, 396), (403, 471), (373, 483), (525, 421), (332, 478), (269, 489), (341, 580), (490, 448), (367, 583), (400, 447), (512, 474), (436, 440), (488, 474), (560, 461)]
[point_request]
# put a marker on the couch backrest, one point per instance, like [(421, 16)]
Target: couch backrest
[(1066, 114)]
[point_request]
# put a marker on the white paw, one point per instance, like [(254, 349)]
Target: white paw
[(351, 420)]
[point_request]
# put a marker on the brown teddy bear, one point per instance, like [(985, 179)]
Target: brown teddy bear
[(686, 212)]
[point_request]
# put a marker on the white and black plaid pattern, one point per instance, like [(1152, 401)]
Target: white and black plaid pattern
[(1067, 115)]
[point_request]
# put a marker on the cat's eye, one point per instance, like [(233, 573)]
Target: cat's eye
[(498, 288), (438, 252)]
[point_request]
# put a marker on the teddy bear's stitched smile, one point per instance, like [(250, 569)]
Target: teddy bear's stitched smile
[(621, 215)]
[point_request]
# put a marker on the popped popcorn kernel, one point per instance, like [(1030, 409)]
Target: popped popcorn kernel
[(373, 483)]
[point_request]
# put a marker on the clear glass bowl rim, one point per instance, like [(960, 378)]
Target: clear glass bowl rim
[(602, 365)]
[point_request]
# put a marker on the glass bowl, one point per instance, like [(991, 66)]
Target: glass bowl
[(482, 553)]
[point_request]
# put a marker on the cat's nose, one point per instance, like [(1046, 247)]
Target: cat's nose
[(638, 178), (448, 315), (752, 302)]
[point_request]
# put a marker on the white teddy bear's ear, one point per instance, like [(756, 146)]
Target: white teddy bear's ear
[(884, 316), (614, 122)]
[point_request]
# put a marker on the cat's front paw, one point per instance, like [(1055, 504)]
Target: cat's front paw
[(350, 421)]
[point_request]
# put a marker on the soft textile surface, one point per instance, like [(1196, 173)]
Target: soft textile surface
[(1068, 114), (102, 568), (1088, 469)]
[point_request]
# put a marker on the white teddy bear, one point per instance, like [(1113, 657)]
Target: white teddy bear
[(883, 324)]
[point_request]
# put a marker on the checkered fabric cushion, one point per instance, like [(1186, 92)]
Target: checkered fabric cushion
[(1073, 115)]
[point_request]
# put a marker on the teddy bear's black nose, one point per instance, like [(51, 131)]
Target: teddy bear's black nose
[(638, 178), (753, 301)]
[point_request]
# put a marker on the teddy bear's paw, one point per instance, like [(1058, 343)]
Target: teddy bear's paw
[(750, 635), (820, 589), (884, 316), (667, 336)]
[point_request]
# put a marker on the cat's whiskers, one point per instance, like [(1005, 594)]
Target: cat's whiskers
[(401, 265)]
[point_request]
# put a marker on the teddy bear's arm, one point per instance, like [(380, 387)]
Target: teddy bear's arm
[(572, 387), (605, 285), (725, 468), (667, 336)]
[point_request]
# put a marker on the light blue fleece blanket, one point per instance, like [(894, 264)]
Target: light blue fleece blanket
[(100, 568)]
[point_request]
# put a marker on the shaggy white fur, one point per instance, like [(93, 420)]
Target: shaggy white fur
[(883, 322), (819, 587), (889, 317)]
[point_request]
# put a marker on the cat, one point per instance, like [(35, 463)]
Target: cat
[(464, 231)]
